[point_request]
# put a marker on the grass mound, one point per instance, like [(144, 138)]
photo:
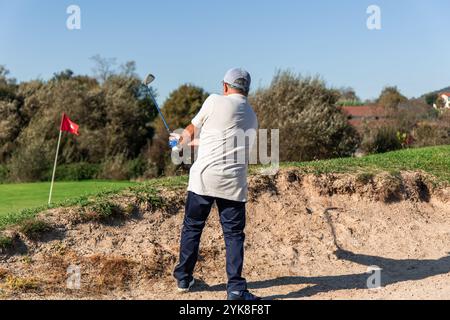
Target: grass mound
[(432, 160)]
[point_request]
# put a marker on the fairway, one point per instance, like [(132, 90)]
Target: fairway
[(15, 197)]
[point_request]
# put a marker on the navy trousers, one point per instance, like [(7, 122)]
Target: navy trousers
[(232, 218)]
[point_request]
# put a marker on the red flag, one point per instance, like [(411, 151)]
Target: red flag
[(68, 125)]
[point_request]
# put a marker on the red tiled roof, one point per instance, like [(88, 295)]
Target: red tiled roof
[(445, 93), (364, 111)]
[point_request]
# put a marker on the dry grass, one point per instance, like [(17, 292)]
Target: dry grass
[(56, 269), (113, 272), (3, 273), (102, 211), (18, 284)]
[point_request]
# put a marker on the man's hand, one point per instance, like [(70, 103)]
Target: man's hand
[(177, 141), (174, 141)]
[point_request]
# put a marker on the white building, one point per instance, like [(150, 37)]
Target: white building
[(446, 97)]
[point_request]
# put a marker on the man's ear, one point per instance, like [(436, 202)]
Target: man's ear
[(225, 88)]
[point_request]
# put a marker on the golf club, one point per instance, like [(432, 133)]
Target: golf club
[(147, 81)]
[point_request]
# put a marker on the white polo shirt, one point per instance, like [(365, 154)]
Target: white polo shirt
[(228, 128)]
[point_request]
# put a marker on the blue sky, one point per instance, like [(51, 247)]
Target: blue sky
[(197, 41)]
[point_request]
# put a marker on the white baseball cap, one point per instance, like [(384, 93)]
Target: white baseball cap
[(238, 78)]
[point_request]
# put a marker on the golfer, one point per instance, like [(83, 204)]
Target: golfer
[(219, 176)]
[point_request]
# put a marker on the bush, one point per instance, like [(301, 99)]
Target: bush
[(3, 173), (75, 172), (304, 110), (380, 140), (390, 98), (136, 167), (431, 134), (30, 163), (113, 120), (5, 242), (34, 229), (117, 168)]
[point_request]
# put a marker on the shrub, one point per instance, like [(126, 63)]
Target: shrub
[(390, 98), (114, 120), (5, 242), (33, 228), (115, 168), (136, 167), (431, 134), (75, 172), (304, 110), (102, 211), (30, 163), (365, 177), (380, 140), (3, 173)]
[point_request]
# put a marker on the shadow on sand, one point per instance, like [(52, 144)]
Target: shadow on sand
[(393, 271)]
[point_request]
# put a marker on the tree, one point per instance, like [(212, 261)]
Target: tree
[(3, 74), (409, 113), (183, 104), (430, 99), (114, 124), (63, 75), (129, 120), (304, 110), (128, 69), (103, 67), (4, 79), (390, 98), (440, 103), (7, 85), (10, 126), (10, 114), (348, 96)]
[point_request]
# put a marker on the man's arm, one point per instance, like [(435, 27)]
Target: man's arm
[(189, 135)]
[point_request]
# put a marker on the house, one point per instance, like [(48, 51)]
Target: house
[(446, 97), (359, 115)]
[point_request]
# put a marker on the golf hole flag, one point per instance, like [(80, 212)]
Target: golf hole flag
[(67, 125)]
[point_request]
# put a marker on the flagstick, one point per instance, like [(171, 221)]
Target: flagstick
[(54, 168)]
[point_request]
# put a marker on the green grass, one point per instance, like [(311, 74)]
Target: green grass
[(17, 197), (433, 160), (84, 194)]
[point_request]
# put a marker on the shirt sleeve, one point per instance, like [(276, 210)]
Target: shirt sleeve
[(204, 113)]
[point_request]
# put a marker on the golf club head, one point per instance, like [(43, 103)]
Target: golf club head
[(149, 79)]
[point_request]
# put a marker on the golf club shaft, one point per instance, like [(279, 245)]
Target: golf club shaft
[(160, 113)]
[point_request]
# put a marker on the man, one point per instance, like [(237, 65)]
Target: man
[(219, 175)]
